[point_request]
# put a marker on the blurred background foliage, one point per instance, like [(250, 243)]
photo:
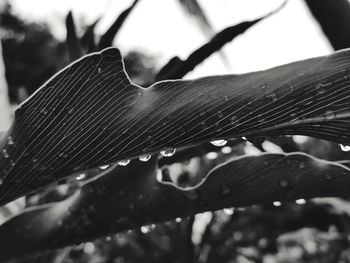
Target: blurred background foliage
[(306, 231)]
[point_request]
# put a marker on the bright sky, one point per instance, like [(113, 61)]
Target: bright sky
[(161, 28)]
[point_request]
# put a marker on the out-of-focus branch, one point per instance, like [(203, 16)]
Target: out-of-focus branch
[(334, 19)]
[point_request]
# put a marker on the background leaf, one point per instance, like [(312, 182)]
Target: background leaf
[(124, 198)]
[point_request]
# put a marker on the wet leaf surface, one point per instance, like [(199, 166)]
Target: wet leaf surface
[(90, 114)]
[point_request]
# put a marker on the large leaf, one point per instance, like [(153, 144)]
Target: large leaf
[(124, 198), (90, 114)]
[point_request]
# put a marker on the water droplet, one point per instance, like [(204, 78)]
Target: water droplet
[(168, 152), (284, 182), (145, 158), (234, 119), (300, 201), (99, 70), (263, 86), (329, 115), (272, 96), (178, 220), (227, 98), (320, 88), (104, 167), (220, 114), (12, 163), (229, 211), (219, 142), (277, 203), (301, 165), (225, 190), (344, 148), (10, 140), (244, 138), (5, 153), (1, 181), (35, 160), (146, 229), (81, 176), (124, 162)]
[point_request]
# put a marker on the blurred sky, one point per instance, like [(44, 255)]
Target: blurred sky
[(161, 28)]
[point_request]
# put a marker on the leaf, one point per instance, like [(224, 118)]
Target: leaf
[(124, 198), (88, 39), (107, 38), (333, 18), (193, 8), (90, 114), (73, 43), (177, 68)]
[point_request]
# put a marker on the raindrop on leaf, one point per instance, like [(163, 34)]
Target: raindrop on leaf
[(300, 201), (234, 119), (320, 88), (146, 229), (145, 158), (344, 148), (124, 162), (220, 114), (329, 115), (81, 176), (168, 152), (104, 167), (219, 142), (277, 203)]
